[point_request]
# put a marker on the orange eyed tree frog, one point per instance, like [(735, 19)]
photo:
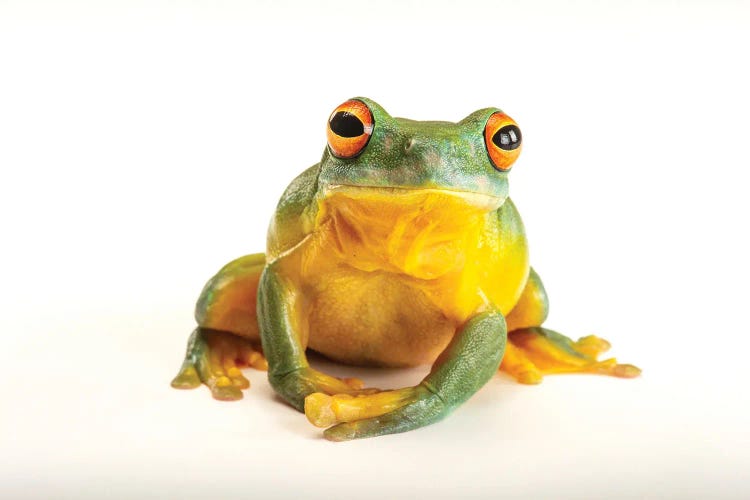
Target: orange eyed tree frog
[(399, 248)]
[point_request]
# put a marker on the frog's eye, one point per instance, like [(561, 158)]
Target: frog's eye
[(349, 128), (503, 140)]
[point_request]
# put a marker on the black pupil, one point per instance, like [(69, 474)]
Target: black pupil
[(345, 124), (507, 138)]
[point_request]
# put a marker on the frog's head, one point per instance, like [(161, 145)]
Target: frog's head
[(369, 149)]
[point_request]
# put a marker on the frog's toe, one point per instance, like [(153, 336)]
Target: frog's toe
[(225, 389), (626, 371), (320, 409), (249, 355), (354, 383), (187, 378), (591, 345), (237, 378), (529, 377)]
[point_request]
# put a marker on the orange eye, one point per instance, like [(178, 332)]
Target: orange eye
[(349, 128), (503, 140)]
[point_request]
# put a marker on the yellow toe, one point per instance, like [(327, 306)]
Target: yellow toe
[(319, 410)]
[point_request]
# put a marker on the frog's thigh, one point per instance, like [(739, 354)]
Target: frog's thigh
[(228, 301), (532, 307), (533, 351), (227, 336)]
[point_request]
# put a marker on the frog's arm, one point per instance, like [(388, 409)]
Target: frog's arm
[(288, 370), (468, 362)]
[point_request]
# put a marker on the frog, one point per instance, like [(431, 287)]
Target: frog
[(401, 247)]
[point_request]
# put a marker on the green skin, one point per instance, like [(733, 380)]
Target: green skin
[(405, 154)]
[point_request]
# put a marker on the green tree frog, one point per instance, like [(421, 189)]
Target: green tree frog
[(399, 248)]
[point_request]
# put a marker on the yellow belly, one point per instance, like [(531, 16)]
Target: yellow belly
[(376, 318), (387, 278)]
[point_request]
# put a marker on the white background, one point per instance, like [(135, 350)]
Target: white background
[(144, 144)]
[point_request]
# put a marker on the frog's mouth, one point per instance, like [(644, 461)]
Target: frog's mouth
[(420, 198), (423, 232)]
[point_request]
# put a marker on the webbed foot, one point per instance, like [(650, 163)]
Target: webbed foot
[(300, 383), (534, 352), (353, 417), (214, 358)]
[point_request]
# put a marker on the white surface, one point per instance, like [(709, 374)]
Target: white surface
[(144, 144)]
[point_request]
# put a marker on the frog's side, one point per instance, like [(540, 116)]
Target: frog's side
[(399, 248)]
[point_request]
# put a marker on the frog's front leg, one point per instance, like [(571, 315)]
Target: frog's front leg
[(289, 372), (469, 361), (534, 351)]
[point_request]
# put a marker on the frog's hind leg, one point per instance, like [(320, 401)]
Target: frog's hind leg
[(227, 336), (533, 351)]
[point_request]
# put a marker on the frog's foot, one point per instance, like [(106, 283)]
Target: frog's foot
[(214, 358), (298, 384), (367, 415), (532, 353)]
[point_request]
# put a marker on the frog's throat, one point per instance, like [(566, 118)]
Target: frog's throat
[(424, 233)]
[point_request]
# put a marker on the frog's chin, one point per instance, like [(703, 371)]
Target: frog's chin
[(414, 197)]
